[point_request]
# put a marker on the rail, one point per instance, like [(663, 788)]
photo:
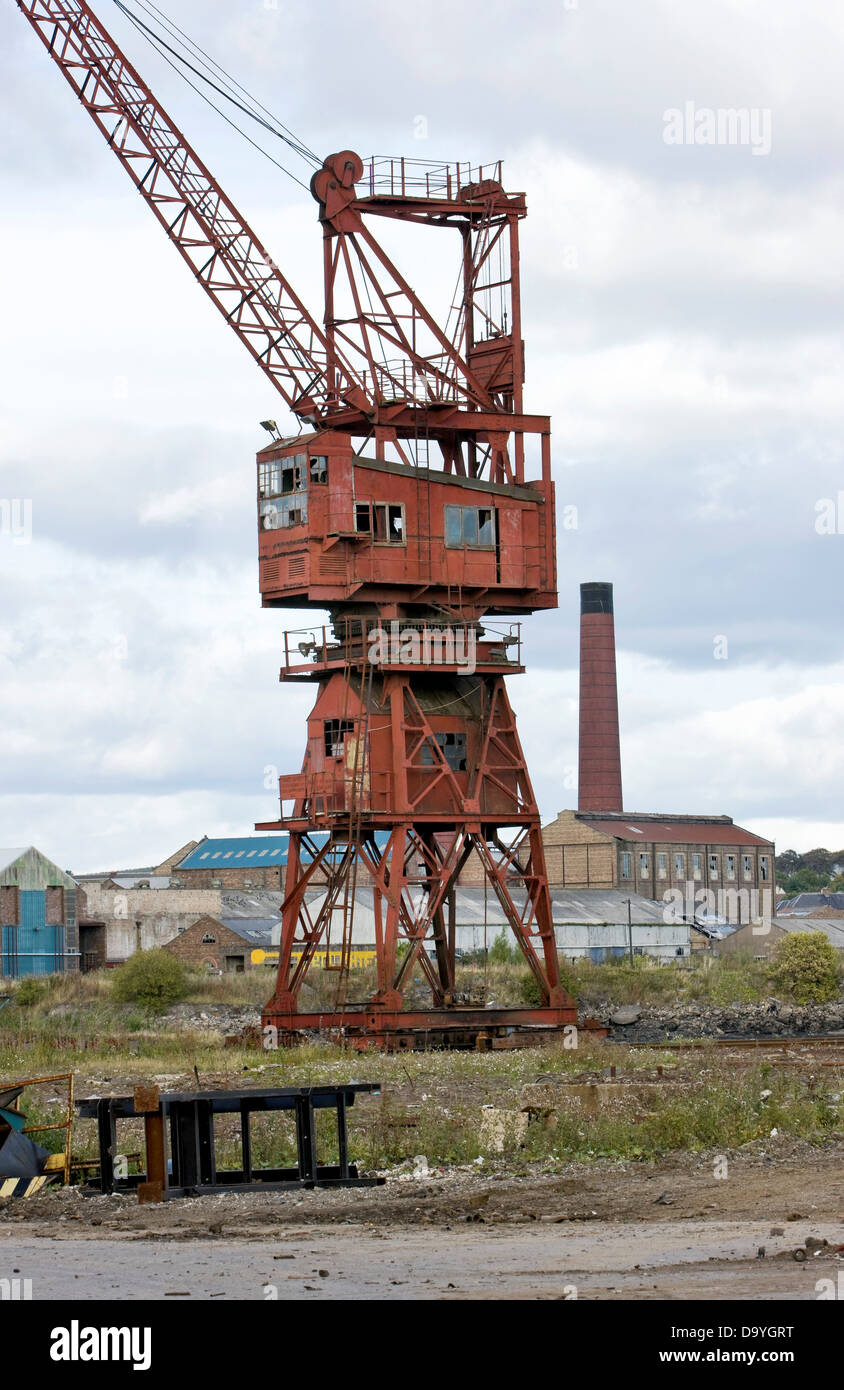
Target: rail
[(424, 644), (397, 177)]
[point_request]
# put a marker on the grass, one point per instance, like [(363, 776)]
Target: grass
[(432, 1103)]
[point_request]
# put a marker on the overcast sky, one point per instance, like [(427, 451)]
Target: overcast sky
[(682, 310)]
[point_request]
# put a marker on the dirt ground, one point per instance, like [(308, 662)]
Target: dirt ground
[(606, 1230)]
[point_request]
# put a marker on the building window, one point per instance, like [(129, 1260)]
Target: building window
[(696, 865), (383, 521), (319, 468), (625, 866), (644, 865), (679, 866), (763, 867), (747, 865), (731, 866), (208, 939), (713, 866), (473, 527), (662, 865)]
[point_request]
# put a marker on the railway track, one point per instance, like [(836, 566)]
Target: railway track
[(816, 1040)]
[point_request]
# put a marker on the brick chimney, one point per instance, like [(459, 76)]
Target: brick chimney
[(599, 765)]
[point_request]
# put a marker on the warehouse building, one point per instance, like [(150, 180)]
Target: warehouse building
[(38, 918), (219, 947), (652, 852), (755, 941)]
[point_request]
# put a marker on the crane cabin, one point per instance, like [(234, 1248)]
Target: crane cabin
[(337, 528)]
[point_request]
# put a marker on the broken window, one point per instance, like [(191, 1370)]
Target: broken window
[(388, 523), (281, 512), (731, 866), (625, 866), (644, 865), (319, 468), (748, 866), (384, 521), (334, 736), (473, 527), (713, 866), (453, 748), (208, 939), (679, 865), (763, 867)]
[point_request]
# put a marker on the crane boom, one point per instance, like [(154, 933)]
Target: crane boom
[(223, 252)]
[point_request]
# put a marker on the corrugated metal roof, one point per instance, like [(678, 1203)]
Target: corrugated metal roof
[(256, 930), (832, 930), (679, 832), (250, 851), (239, 852), (805, 902)]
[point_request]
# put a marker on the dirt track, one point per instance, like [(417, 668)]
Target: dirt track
[(664, 1260), (607, 1230)]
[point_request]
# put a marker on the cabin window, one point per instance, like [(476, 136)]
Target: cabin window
[(384, 521), (281, 512), (453, 748), (319, 468), (473, 527), (334, 735), (280, 477)]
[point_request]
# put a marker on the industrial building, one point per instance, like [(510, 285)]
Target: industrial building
[(600, 845), (649, 853), (761, 940), (38, 915), (116, 921), (210, 944)]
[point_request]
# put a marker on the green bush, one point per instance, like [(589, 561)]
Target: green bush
[(153, 979), (806, 968), (29, 992)]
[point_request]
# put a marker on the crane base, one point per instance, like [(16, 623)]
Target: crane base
[(411, 1030)]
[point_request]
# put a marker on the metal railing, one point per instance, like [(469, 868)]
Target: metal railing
[(370, 641), (397, 177)]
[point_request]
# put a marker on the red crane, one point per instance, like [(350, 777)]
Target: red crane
[(415, 504)]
